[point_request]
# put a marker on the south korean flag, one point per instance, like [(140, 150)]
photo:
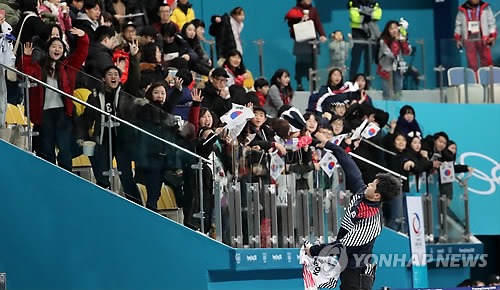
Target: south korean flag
[(277, 165), (328, 163), (447, 172)]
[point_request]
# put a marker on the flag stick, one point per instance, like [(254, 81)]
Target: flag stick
[(378, 147), (377, 165)]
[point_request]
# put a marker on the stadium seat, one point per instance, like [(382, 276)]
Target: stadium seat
[(456, 81), (167, 205), (83, 168), (484, 79)]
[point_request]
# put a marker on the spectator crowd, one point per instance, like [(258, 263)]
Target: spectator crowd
[(146, 64)]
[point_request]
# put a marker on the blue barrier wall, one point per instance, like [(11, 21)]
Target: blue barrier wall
[(473, 128), (61, 232)]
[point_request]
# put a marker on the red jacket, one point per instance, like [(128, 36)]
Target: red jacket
[(68, 71)]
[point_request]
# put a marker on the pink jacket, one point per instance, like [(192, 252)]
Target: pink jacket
[(64, 20)]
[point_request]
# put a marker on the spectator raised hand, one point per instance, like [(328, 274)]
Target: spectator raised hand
[(28, 48)]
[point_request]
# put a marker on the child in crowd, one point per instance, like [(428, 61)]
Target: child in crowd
[(339, 51), (261, 87)]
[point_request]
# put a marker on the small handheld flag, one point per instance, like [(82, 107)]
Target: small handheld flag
[(328, 163)]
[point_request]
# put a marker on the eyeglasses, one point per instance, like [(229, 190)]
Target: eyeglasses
[(220, 80)]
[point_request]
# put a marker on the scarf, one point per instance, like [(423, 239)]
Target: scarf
[(93, 23), (184, 7), (53, 8)]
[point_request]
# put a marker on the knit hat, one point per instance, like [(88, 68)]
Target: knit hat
[(294, 118)]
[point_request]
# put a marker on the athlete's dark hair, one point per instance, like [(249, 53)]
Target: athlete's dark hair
[(388, 186)]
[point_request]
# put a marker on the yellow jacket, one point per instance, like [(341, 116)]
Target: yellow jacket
[(357, 18), (179, 18)]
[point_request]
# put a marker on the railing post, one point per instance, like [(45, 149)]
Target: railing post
[(27, 85), (260, 42), (467, 217), (111, 172), (440, 69), (422, 76), (466, 85), (443, 222), (211, 42), (314, 43), (201, 214), (491, 86), (218, 211)]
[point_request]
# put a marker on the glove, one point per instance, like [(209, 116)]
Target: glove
[(403, 23)]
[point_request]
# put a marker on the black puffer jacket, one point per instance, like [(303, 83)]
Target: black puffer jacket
[(223, 33), (214, 102), (98, 59)]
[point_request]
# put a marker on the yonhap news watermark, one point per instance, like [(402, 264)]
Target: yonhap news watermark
[(407, 260)]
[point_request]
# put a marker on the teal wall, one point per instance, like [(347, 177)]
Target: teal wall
[(61, 232), (473, 128), (265, 19)]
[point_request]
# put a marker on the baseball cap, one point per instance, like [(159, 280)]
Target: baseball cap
[(220, 72)]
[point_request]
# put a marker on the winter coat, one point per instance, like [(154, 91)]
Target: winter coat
[(223, 33), (183, 106), (313, 15), (486, 18), (275, 100), (180, 18), (64, 21), (11, 11), (406, 127), (33, 26), (84, 23), (389, 54), (151, 73), (100, 57), (66, 79), (363, 15), (339, 53), (123, 103), (214, 102)]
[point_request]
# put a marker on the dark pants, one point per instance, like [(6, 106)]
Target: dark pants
[(100, 164), (153, 177), (304, 60), (354, 279), (357, 50), (55, 130)]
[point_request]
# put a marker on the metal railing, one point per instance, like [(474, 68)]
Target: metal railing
[(113, 121)]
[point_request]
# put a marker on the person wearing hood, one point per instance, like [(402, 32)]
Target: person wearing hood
[(475, 28), (115, 98), (304, 11), (227, 29), (406, 122), (183, 13), (88, 19)]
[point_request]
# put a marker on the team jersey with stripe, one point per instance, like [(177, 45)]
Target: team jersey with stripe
[(362, 222)]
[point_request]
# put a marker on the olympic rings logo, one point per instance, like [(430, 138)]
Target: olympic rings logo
[(492, 180)]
